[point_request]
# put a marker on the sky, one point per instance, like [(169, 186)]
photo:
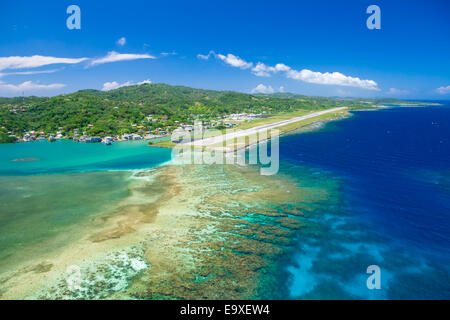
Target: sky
[(316, 47)]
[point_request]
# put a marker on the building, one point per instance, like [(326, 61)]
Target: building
[(132, 136), (92, 139)]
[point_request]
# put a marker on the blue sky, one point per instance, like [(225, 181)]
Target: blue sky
[(308, 47)]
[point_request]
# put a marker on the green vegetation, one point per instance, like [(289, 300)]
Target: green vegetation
[(165, 144), (5, 138), (126, 110), (274, 118), (232, 144)]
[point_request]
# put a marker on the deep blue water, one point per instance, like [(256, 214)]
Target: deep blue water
[(391, 207), (393, 167)]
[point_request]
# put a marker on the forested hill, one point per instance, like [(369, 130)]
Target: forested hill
[(116, 111), (166, 99)]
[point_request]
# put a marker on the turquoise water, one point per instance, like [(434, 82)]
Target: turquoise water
[(68, 156), (386, 175), (60, 186), (39, 213)]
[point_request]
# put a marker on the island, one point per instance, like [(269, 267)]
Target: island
[(154, 111)]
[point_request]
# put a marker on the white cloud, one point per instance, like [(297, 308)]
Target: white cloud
[(113, 56), (229, 59), (443, 90), (333, 78), (147, 81), (115, 85), (206, 56), (234, 61), (395, 91), (165, 54), (18, 62), (121, 42), (28, 72), (330, 78), (263, 70), (261, 88), (29, 86), (281, 89)]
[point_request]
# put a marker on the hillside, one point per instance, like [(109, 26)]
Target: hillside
[(122, 110)]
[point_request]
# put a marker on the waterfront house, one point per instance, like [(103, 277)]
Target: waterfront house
[(92, 139), (136, 136), (132, 136), (127, 137), (107, 140)]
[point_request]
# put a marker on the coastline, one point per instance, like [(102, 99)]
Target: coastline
[(224, 145), (261, 224), (194, 231), (157, 139)]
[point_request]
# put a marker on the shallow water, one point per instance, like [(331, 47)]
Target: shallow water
[(63, 156), (371, 189), (49, 191)]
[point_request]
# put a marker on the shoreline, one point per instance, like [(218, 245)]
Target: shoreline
[(284, 128), (123, 229), (369, 108), (204, 227)]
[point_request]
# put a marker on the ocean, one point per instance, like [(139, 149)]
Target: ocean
[(393, 168), (371, 189)]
